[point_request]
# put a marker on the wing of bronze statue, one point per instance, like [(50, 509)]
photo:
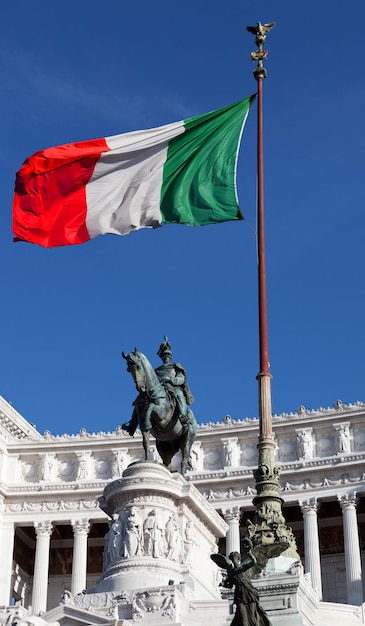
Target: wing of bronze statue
[(256, 565), (222, 561), (267, 27)]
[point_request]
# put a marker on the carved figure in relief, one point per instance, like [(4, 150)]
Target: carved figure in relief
[(189, 542), (82, 469), (113, 542), (305, 444), (173, 539), (117, 464), (194, 463), (152, 535), (133, 534), (343, 439), (161, 407), (228, 454), (108, 548), (46, 468), (117, 529)]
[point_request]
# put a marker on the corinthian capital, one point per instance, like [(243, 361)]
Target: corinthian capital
[(348, 501), (309, 506), (43, 529), (80, 526), (232, 514)]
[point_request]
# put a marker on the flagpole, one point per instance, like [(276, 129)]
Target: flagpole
[(264, 376), (268, 532)]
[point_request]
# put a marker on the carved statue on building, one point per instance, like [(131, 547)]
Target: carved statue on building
[(228, 454), (162, 406), (118, 463), (46, 467), (343, 439), (305, 444), (82, 469)]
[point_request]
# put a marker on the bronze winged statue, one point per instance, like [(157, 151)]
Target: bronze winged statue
[(249, 612)]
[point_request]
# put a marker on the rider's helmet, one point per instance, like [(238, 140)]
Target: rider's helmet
[(164, 349)]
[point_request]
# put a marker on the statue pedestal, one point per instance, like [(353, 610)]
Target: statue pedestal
[(161, 534), (288, 598)]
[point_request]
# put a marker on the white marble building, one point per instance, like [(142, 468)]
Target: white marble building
[(52, 528)]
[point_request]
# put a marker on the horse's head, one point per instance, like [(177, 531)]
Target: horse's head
[(135, 365)]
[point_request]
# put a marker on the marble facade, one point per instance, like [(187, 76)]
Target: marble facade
[(52, 527)]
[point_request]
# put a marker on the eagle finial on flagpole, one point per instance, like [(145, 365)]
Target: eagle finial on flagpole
[(260, 31)]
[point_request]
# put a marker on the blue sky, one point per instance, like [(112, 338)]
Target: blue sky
[(75, 70)]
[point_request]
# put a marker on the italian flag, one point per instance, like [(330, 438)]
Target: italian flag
[(181, 173)]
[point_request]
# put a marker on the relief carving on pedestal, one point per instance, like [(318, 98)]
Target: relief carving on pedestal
[(190, 542), (173, 539), (153, 535), (158, 602), (131, 536)]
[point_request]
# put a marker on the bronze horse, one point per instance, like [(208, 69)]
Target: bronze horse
[(156, 412)]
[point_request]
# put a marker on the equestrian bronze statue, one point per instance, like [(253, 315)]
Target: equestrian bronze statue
[(162, 406)]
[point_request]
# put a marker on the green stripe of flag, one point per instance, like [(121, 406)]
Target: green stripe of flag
[(199, 177)]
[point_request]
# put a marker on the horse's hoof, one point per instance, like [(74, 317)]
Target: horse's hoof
[(128, 429)]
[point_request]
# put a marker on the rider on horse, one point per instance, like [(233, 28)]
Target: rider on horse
[(173, 378)]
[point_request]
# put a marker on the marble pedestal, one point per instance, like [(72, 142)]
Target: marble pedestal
[(162, 532)]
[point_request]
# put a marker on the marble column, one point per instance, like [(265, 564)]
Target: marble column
[(40, 579), (232, 517), (312, 559), (348, 504), (6, 559), (81, 529)]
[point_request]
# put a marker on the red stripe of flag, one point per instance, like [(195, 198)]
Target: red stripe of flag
[(49, 206)]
